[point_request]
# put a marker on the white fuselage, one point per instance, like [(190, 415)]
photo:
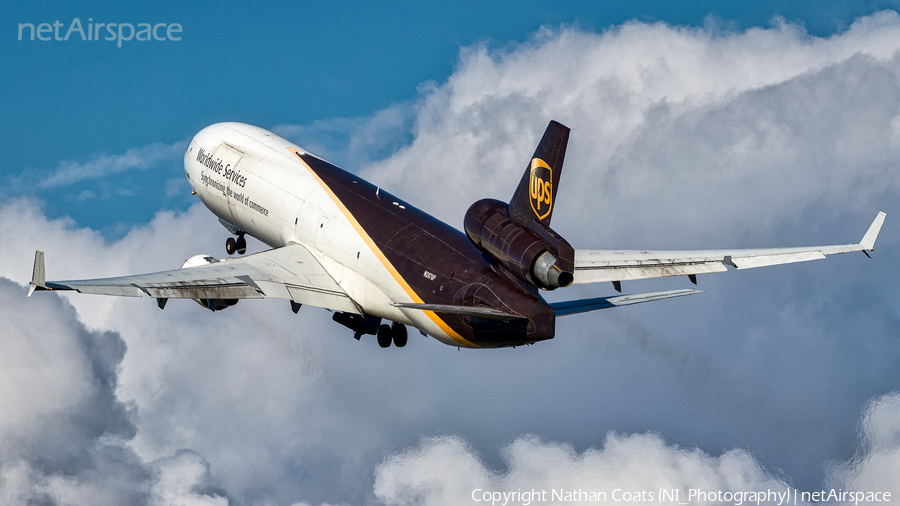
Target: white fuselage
[(250, 179)]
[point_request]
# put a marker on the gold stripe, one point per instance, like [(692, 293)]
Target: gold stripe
[(378, 253)]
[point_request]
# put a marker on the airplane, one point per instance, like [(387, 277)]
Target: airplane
[(341, 243)]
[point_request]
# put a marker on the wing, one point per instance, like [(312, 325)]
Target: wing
[(290, 272), (593, 266)]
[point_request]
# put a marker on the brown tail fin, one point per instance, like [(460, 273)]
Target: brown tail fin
[(536, 195)]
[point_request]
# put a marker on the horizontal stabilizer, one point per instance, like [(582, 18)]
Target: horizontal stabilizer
[(481, 312), (585, 305)]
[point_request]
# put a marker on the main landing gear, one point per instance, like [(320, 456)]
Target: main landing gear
[(395, 332), (238, 246), (367, 324)]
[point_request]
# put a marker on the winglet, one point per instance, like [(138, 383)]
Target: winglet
[(868, 240), (38, 280)]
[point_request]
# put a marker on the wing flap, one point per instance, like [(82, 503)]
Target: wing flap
[(223, 290), (319, 297), (631, 270), (96, 289)]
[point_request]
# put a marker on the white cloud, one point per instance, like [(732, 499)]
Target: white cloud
[(446, 471), (103, 165), (877, 465), (63, 432), (680, 138), (254, 393), (178, 479), (58, 381), (354, 142), (86, 195), (700, 128)]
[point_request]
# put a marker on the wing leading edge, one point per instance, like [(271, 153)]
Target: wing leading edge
[(290, 272), (592, 266)]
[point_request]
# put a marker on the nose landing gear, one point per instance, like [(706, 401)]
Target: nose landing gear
[(238, 246)]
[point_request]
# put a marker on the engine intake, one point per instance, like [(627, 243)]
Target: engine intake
[(518, 249)]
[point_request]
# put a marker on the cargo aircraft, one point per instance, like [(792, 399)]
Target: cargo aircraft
[(341, 243)]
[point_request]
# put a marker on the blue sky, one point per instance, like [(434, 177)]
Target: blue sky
[(694, 125), (290, 63)]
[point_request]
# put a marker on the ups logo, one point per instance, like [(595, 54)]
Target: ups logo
[(541, 186)]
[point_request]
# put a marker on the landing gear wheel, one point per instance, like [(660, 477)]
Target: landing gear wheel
[(384, 336), (241, 244), (400, 336), (230, 246)]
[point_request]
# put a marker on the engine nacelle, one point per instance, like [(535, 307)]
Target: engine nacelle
[(518, 249), (211, 304), (198, 260)]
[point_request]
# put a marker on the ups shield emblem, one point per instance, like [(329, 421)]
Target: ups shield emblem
[(541, 186)]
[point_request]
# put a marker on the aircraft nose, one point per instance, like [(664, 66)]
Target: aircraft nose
[(189, 151)]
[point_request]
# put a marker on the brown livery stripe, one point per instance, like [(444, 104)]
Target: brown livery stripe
[(381, 257)]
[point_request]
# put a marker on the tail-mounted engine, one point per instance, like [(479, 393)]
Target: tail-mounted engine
[(536, 254)]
